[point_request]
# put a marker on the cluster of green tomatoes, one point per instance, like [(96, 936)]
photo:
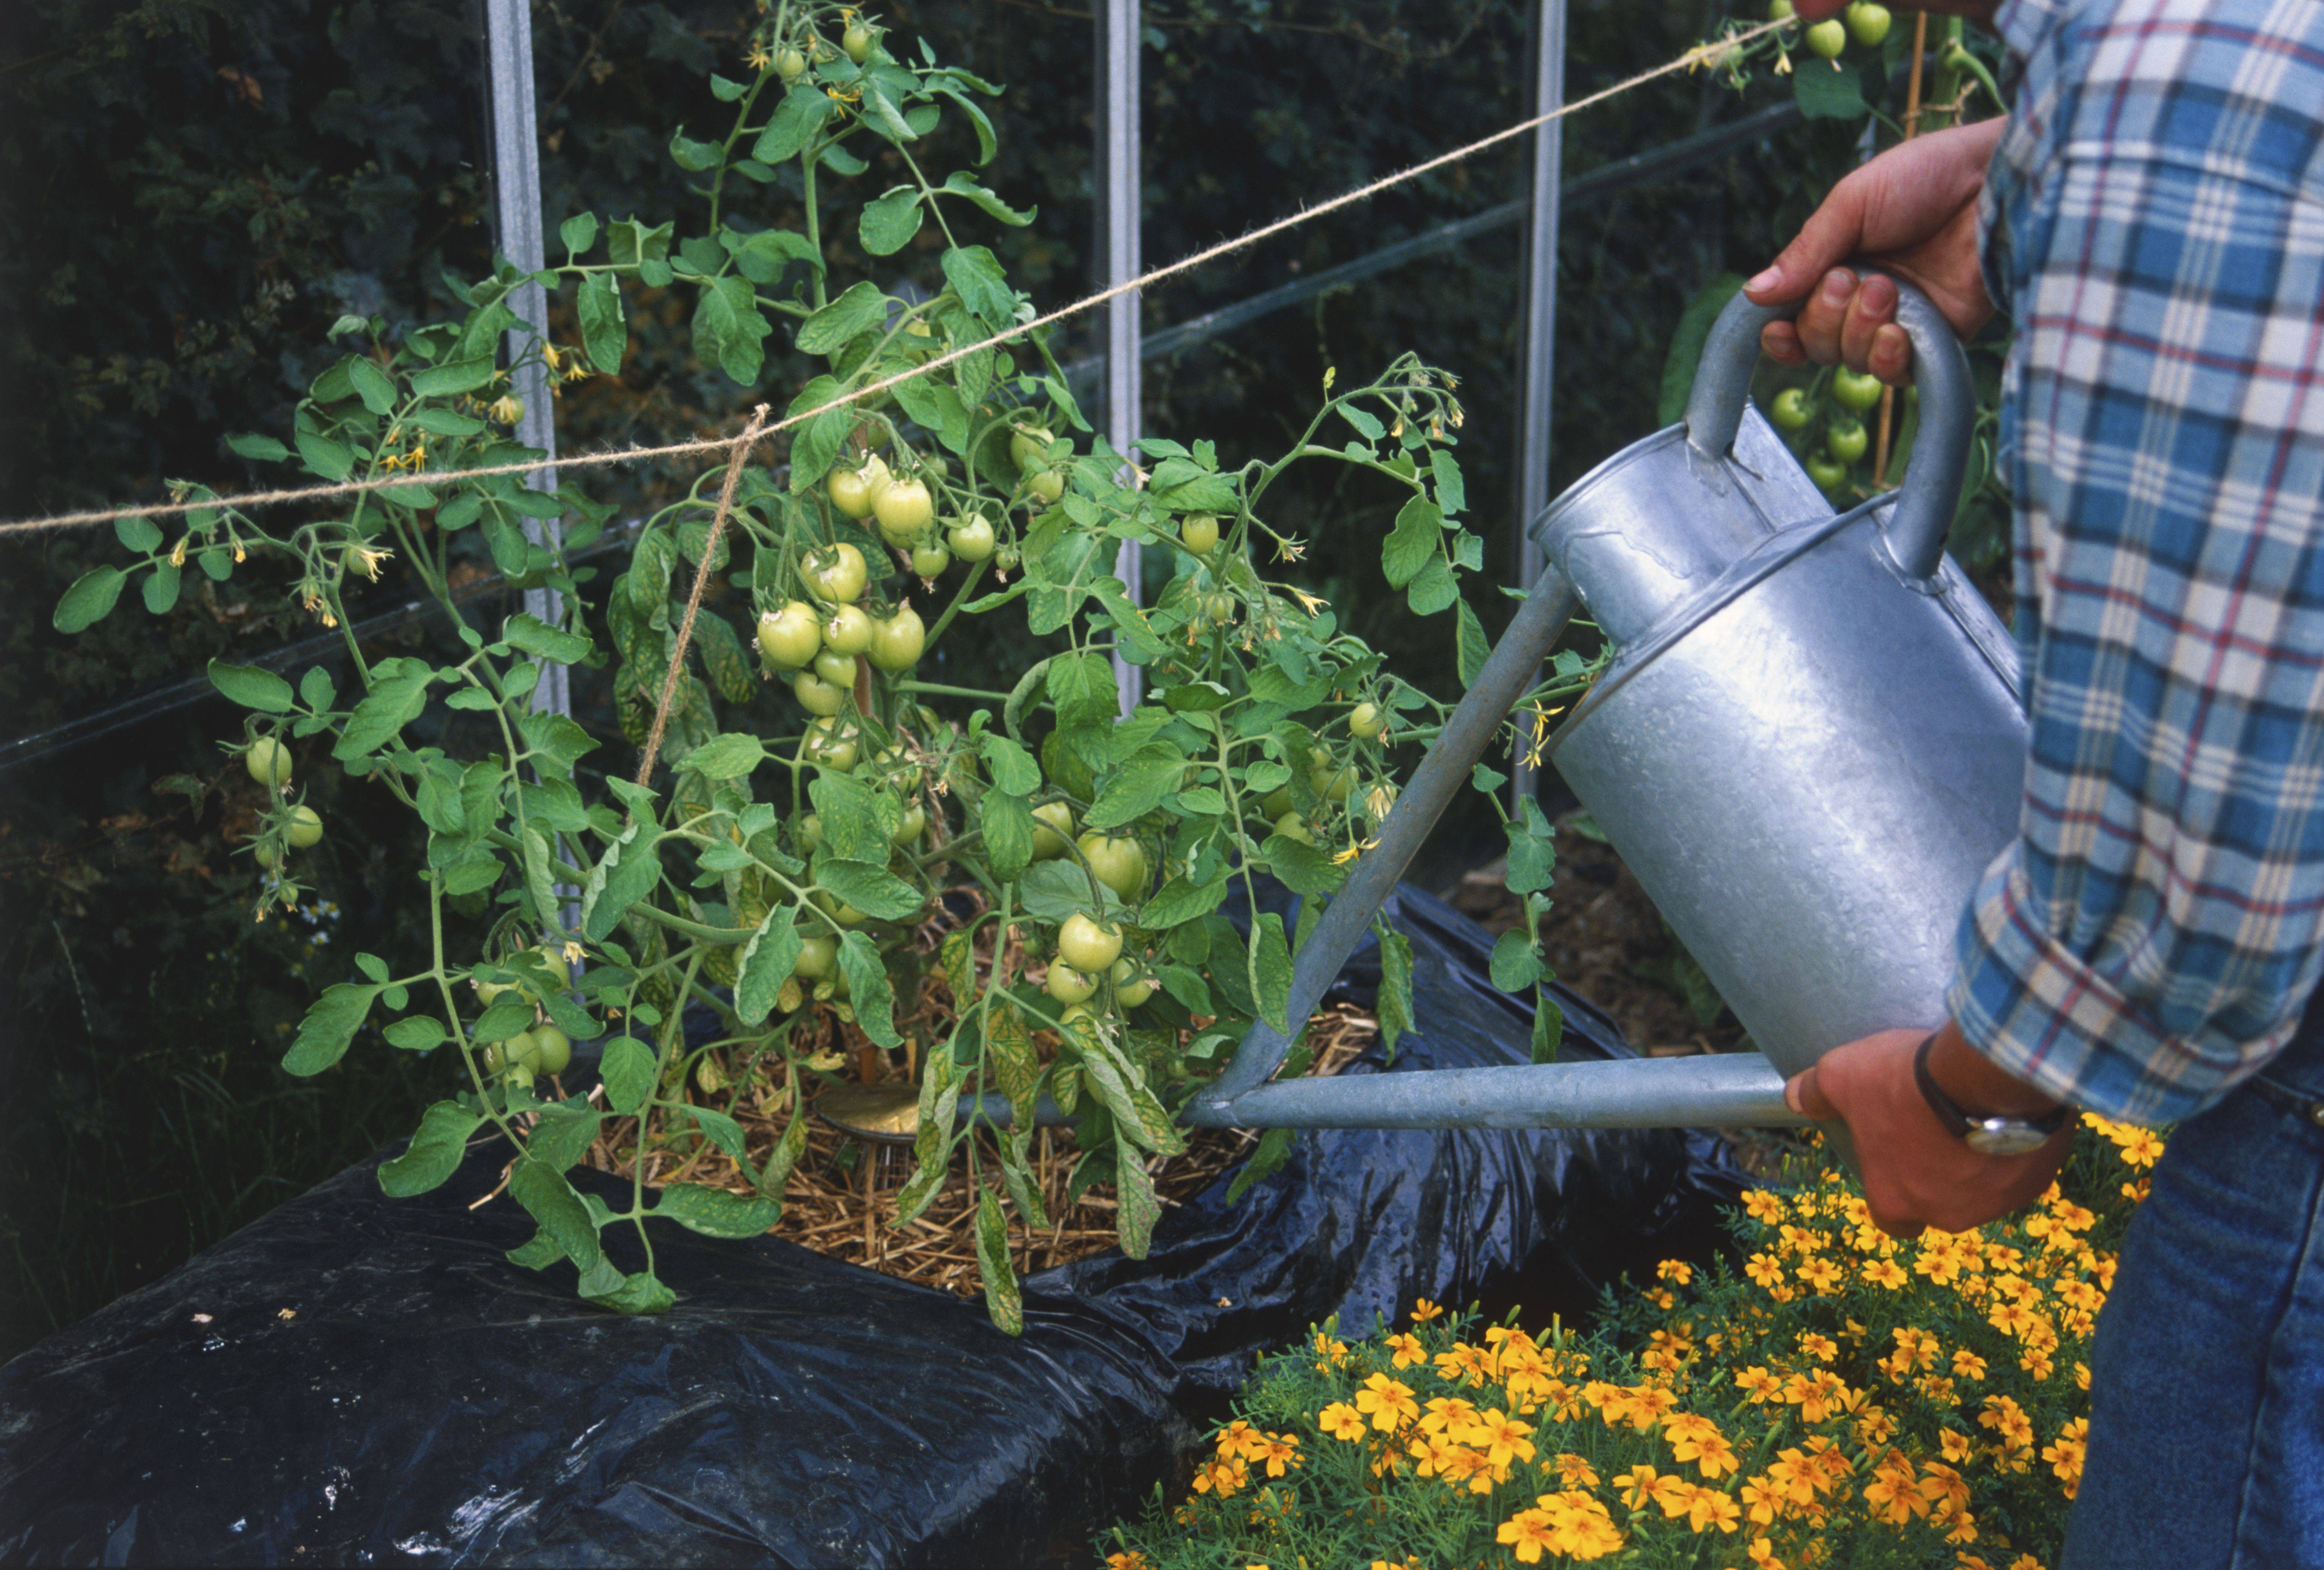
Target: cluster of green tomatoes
[(1866, 21), (529, 1054), (1845, 439), (301, 827)]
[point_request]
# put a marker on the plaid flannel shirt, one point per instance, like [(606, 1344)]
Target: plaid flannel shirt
[(2154, 220)]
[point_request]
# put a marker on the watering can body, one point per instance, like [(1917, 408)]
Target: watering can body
[(1809, 747)]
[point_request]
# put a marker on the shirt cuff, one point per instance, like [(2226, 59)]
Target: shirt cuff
[(2039, 1011)]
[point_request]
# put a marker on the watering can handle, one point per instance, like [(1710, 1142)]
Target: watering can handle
[(1932, 479)]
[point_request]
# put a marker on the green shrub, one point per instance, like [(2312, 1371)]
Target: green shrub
[(1828, 1396)]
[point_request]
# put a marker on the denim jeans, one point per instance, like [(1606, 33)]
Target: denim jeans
[(2207, 1375)]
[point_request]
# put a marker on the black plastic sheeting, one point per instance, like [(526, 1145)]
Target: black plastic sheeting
[(355, 1379)]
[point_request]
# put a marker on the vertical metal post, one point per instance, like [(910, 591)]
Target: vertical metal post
[(516, 211), (1534, 388), (1117, 261)]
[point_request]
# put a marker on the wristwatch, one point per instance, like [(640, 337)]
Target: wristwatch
[(2003, 1135)]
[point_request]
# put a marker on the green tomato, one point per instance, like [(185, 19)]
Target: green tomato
[(1029, 449), (1851, 391), (835, 574), (1780, 10), (1868, 23), (544, 1050), (856, 491), (789, 637), (1053, 829), (1828, 476), (1827, 38), (264, 854), (269, 762), (929, 559), (790, 63), (1130, 986), (915, 824), (1291, 826), (970, 539), (518, 1076), (1277, 803), (496, 1056), (1365, 721), (1220, 607), (834, 743), (1198, 533), (839, 910), (1068, 985), (1119, 864), (857, 41), (1791, 411), (818, 696), (1087, 945), (896, 642), (904, 510), (811, 832), (847, 630), (1006, 558), (306, 828), (839, 670), (1046, 486), (1846, 439), (817, 957), (1078, 1019)]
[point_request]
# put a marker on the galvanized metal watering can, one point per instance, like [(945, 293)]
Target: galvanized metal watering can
[(1810, 747)]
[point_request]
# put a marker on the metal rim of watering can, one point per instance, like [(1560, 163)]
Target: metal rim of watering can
[(1930, 491)]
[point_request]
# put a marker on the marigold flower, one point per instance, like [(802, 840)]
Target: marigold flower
[(1407, 1350), (1822, 1348), (1573, 1471), (1499, 1436), (1763, 1204), (1764, 1270), (1677, 1272), (1341, 1421), (1762, 1555), (1883, 1273), (1132, 1560), (1528, 1536), (1388, 1401), (1422, 1311)]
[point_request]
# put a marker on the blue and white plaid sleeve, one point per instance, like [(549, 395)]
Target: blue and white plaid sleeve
[(2156, 218)]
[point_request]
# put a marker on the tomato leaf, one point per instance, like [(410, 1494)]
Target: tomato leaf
[(1008, 835), (330, 1026), (891, 220), (1533, 851), (628, 873), (854, 313), (961, 183), (1515, 963), (91, 599), (1303, 869), (1133, 1222), (1412, 544), (767, 962), (564, 1220), (1469, 646), (1012, 768), (251, 687), (1548, 1029), (563, 1134), (1433, 590), (628, 1069), (417, 1034), (398, 693), (1270, 963), (1002, 1300), (263, 450), (434, 1153), (715, 1213), (536, 638), (458, 376), (975, 275), (1182, 901), (603, 332), (1395, 1002), (868, 989), (1138, 786), (730, 756), (793, 126)]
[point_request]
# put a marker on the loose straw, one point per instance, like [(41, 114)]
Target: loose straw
[(1701, 54)]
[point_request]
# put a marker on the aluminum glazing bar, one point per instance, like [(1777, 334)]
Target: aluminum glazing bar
[(1727, 1090), (1118, 250), (1534, 385)]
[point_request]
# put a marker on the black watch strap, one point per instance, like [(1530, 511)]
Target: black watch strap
[(1960, 1123)]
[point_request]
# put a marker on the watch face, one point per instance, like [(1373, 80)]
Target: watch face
[(2004, 1136)]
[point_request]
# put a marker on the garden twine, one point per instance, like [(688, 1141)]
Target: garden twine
[(1701, 54)]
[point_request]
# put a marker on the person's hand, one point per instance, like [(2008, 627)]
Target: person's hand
[(1912, 210), (1917, 1173)]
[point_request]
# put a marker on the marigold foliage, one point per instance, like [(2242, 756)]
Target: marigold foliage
[(1825, 1395)]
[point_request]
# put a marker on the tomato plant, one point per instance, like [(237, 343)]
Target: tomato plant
[(1070, 864)]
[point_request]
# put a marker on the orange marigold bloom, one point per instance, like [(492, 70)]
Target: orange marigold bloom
[(1407, 1350), (1388, 1401), (1764, 1269), (1422, 1311), (1678, 1272), (1341, 1421), (1573, 1471)]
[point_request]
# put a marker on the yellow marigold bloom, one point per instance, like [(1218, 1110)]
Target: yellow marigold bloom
[(1822, 1274), (1278, 1451), (1500, 1435), (1954, 1445), (1132, 1560), (1762, 1555), (1891, 1492), (1444, 1413), (2007, 1419), (1580, 1526), (1938, 1390), (1564, 1401), (1388, 1401), (1341, 1421), (1573, 1471), (1529, 1534), (2065, 1456), (1764, 1270), (1757, 1383), (1407, 1350), (1464, 1364), (1677, 1272), (1883, 1272), (1434, 1452), (1673, 1495), (1763, 1501), (1231, 1437), (1422, 1311), (1764, 1204), (1822, 1348), (1799, 1240), (1967, 1365), (1637, 1486), (1219, 1477), (1708, 1508)]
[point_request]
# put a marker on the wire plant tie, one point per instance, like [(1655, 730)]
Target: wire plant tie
[(1701, 55)]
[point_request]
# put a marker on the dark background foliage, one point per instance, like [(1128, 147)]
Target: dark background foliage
[(196, 188)]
